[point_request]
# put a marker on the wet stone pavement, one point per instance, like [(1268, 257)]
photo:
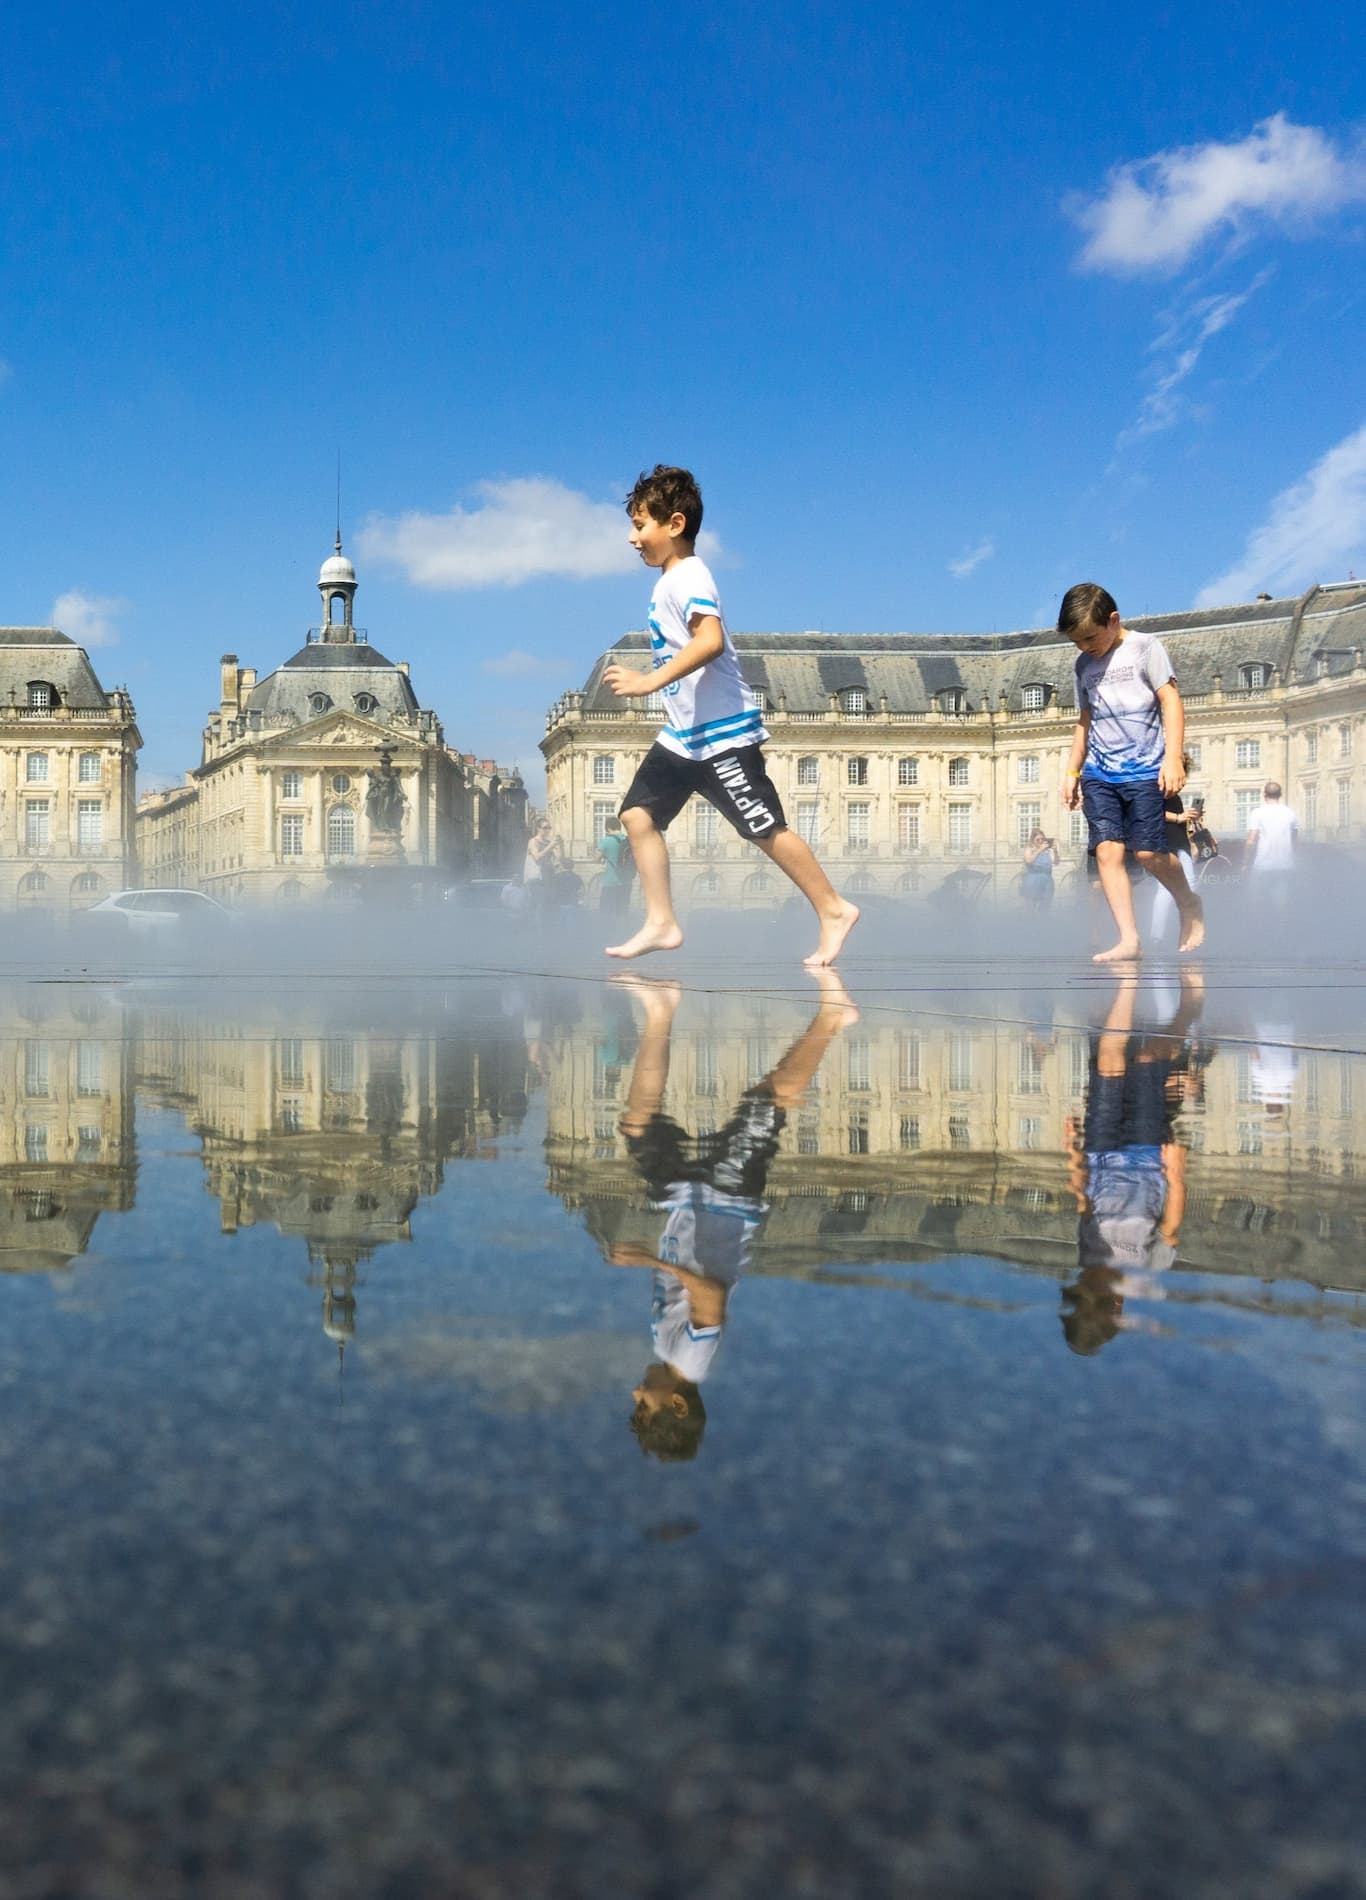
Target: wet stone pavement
[(518, 1435)]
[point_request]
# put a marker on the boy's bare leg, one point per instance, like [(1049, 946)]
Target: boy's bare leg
[(1163, 866), (837, 915), (1114, 881), (650, 1072), (660, 931), (791, 1077)]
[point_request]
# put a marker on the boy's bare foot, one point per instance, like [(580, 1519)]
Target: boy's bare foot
[(834, 930), (648, 937), (1192, 924), (1127, 950), (834, 996)]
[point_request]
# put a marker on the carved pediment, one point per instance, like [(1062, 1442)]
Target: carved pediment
[(343, 729)]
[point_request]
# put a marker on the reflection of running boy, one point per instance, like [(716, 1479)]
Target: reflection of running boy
[(1126, 758), (710, 1189), (712, 740), (1128, 1171)]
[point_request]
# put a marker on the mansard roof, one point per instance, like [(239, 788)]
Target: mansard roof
[(1301, 637), (341, 671), (42, 653)]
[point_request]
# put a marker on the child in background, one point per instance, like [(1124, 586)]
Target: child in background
[(1126, 759)]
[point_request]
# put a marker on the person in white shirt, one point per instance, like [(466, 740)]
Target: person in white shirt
[(713, 737), (1271, 846), (710, 1188)]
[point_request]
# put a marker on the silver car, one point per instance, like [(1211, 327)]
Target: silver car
[(162, 910)]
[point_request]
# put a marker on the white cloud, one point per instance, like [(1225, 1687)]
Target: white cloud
[(971, 559), (87, 618), (1312, 532), (1153, 215), (1162, 407), (514, 664), (526, 529)]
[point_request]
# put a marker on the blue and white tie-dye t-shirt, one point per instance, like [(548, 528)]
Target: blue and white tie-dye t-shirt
[(712, 710), (1120, 689)]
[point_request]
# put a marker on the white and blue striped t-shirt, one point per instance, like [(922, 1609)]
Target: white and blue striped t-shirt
[(712, 710)]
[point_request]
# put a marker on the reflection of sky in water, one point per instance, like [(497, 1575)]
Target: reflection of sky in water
[(1079, 1606)]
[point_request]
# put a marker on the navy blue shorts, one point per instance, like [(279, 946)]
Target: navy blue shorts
[(1129, 814)]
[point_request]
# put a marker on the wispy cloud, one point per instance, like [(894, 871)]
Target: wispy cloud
[(1313, 530), (971, 559), (1154, 214), (89, 619), (529, 528), (515, 665), (1186, 333)]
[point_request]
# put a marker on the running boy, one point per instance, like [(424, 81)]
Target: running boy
[(1126, 758), (711, 742)]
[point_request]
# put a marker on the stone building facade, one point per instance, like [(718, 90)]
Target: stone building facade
[(68, 768), (280, 806), (904, 757)]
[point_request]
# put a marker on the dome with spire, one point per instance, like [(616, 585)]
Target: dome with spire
[(336, 567)]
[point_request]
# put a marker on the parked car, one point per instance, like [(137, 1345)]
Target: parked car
[(143, 911)]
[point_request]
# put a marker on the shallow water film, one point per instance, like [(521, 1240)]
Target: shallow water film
[(515, 1434)]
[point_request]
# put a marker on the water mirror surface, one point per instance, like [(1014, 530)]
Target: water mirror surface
[(519, 1435)]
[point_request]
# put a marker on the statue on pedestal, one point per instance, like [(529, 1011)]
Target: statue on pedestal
[(384, 805)]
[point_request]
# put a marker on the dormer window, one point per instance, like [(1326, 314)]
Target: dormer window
[(953, 700), (1034, 697), (854, 700), (318, 704), (42, 696), (366, 703), (1255, 677)]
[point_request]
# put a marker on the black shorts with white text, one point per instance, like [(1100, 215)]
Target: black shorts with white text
[(736, 783)]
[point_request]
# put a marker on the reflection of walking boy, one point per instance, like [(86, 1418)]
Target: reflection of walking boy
[(710, 1189), (1127, 1169)]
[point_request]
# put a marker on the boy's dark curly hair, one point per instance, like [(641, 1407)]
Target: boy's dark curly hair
[(666, 1436), (667, 491)]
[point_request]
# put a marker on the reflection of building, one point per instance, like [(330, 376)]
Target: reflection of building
[(904, 756), (333, 1138), (281, 805), (68, 761), (920, 1140), (66, 1128)]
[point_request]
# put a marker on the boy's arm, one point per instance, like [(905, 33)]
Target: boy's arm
[(708, 640), (1173, 773), (1076, 758)]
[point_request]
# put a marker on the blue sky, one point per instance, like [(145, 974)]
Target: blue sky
[(947, 307)]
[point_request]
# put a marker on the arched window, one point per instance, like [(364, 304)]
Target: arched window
[(290, 891), (89, 881), (318, 703), (366, 703), (861, 881), (341, 832), (708, 885), (854, 700), (1255, 677), (953, 700), (33, 885), (1034, 697), (336, 609), (908, 884)]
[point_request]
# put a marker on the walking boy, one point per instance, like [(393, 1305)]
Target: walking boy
[(711, 742), (1126, 758)]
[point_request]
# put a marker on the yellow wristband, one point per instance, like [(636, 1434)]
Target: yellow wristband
[(1072, 774)]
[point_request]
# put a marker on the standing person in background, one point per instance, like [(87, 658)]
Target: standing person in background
[(539, 864), (1126, 758), (1040, 855), (618, 869), (1271, 847)]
